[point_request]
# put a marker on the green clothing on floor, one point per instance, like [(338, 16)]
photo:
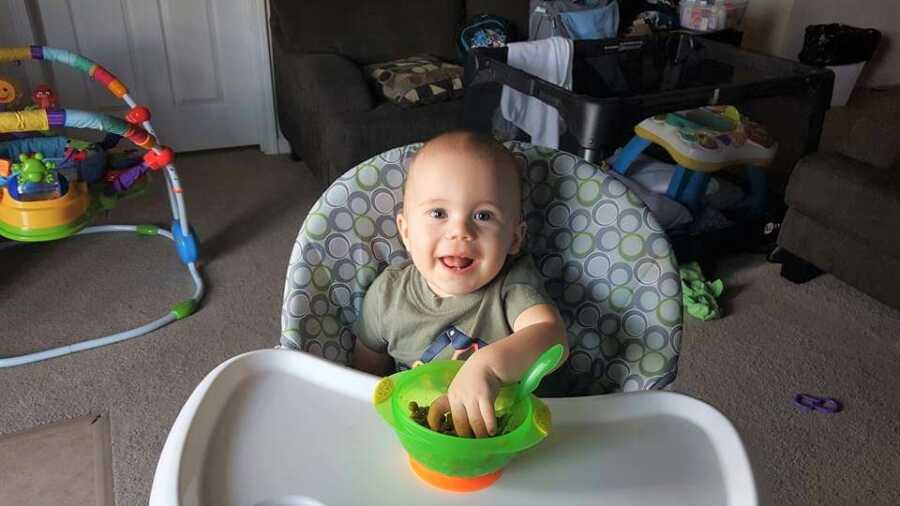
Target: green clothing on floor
[(699, 295)]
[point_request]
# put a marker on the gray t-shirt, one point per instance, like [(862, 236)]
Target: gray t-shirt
[(403, 317)]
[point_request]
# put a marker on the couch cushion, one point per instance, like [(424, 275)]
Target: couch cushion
[(350, 138), (872, 142), (417, 80), (846, 194), (370, 31)]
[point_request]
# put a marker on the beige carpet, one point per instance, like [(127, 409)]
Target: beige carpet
[(778, 339), (821, 338)]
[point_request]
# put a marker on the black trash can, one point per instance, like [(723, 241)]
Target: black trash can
[(842, 48)]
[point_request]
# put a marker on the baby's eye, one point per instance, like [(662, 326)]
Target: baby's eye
[(437, 214), (482, 216)]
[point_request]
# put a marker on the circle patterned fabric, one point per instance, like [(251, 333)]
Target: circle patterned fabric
[(606, 262)]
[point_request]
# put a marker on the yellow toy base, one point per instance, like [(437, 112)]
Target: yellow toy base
[(44, 219)]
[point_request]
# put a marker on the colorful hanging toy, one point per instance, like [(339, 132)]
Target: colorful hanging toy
[(9, 93), (44, 97), (52, 187)]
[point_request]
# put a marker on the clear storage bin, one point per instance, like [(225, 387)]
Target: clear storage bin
[(712, 15)]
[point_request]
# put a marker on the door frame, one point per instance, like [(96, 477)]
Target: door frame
[(271, 141)]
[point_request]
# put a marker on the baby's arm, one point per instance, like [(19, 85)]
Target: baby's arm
[(536, 329), (372, 362), (368, 328), (475, 387)]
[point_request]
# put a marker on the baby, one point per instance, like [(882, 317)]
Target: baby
[(468, 293)]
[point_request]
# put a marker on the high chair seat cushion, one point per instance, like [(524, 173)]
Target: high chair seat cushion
[(605, 260)]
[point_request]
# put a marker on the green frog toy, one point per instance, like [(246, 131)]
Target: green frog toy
[(33, 169)]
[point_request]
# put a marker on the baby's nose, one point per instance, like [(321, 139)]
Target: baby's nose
[(460, 230)]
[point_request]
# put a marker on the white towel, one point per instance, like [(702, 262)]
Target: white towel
[(551, 60)]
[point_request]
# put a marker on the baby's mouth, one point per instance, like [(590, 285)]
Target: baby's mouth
[(456, 263)]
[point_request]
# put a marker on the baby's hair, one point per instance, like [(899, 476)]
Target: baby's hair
[(479, 144)]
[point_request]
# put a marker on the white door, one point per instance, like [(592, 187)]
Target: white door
[(201, 66)]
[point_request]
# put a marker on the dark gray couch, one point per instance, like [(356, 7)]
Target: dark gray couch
[(326, 108), (844, 209)]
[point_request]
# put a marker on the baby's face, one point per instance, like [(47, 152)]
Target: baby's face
[(460, 220)]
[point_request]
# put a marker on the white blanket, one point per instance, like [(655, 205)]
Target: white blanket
[(551, 60)]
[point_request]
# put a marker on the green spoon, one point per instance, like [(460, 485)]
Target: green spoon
[(545, 363)]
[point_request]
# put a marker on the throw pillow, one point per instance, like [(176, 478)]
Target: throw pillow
[(417, 80)]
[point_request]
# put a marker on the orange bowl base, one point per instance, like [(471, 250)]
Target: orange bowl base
[(453, 483)]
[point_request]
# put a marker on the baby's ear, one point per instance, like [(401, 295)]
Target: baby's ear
[(518, 238), (403, 228)]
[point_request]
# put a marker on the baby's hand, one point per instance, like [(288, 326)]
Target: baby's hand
[(471, 397)]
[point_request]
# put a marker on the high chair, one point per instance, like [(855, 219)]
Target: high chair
[(606, 262), (280, 427)]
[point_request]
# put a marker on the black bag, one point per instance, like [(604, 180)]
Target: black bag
[(484, 30), (837, 44), (656, 14), (573, 19)]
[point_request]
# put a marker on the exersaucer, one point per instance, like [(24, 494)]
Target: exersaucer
[(38, 203)]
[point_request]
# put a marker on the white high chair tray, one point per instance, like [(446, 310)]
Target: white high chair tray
[(278, 427)]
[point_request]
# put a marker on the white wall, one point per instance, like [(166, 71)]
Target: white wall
[(765, 23)]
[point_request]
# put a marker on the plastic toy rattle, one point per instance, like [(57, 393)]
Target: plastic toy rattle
[(455, 463), (808, 402)]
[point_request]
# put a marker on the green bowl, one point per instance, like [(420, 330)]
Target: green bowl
[(448, 455)]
